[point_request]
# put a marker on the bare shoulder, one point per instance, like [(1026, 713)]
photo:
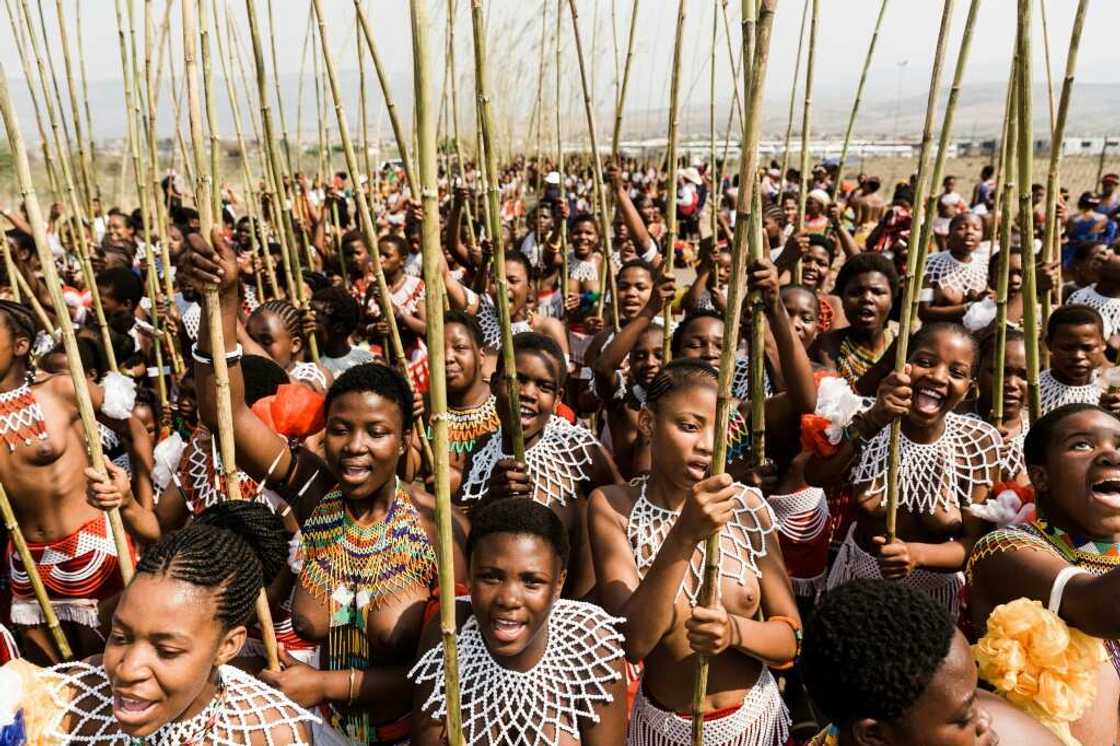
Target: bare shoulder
[(613, 501), (1012, 724)]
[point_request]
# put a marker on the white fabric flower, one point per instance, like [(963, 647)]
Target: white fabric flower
[(120, 396), (979, 315), (167, 454), (1005, 509), (11, 695), (837, 403)]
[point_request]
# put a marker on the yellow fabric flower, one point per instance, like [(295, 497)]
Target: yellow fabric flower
[(1040, 664)]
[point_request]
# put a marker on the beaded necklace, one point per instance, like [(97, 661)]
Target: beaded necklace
[(241, 709), (466, 426), (540, 706), (21, 417), (742, 539), (558, 463), (830, 736), (934, 476), (946, 271), (1099, 556), (853, 359), (354, 569), (1053, 393)]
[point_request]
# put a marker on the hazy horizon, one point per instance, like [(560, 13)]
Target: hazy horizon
[(893, 100)]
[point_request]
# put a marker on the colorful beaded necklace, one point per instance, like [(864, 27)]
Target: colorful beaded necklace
[(353, 569), (465, 427), (1101, 556), (854, 359), (830, 736)]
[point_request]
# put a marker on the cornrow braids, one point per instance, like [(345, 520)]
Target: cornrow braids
[(232, 548), (677, 374), (283, 310), (20, 318)]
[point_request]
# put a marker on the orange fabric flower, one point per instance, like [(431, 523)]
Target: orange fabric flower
[(294, 411), (813, 437)]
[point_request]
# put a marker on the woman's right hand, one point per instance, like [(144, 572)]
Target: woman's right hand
[(708, 507), (893, 400), (205, 265)]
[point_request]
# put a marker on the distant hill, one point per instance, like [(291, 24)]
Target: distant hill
[(979, 112)]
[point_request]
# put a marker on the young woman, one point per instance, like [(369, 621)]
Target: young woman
[(563, 462), (624, 370), (349, 503), (585, 267), (1067, 557), (406, 294), (867, 284), (471, 411), (709, 291), (816, 268), (164, 677), (535, 669), (948, 462), (275, 326), (43, 469), (956, 277), (1013, 423), (519, 283), (648, 541), (918, 688), (1076, 341), (700, 337)]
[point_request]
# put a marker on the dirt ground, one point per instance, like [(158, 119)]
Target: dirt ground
[(1078, 174)]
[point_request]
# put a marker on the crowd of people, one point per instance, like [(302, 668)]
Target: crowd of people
[(578, 568)]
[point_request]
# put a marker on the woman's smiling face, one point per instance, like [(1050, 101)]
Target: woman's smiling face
[(940, 374)]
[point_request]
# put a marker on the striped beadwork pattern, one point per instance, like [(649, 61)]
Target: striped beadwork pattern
[(360, 566), (465, 427)]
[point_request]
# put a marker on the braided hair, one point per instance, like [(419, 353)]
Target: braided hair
[(19, 318), (283, 310), (232, 548), (677, 374)]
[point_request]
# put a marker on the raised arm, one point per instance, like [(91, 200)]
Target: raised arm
[(847, 244), (261, 453), (613, 354), (800, 395), (454, 230), (635, 226)]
